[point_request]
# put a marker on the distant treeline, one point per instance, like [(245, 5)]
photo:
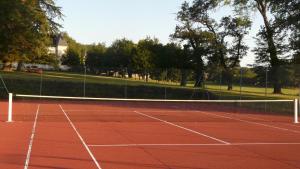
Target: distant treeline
[(202, 47), (171, 62)]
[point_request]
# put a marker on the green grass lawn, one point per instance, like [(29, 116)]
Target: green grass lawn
[(72, 84), (52, 80), (287, 93)]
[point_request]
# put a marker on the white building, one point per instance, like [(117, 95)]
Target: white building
[(59, 46)]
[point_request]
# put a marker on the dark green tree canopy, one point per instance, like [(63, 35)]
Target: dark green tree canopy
[(26, 26)]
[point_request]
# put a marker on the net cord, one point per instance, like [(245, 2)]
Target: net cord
[(295, 101), (150, 100)]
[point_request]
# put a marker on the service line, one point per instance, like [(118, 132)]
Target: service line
[(184, 128), (186, 145), (81, 139)]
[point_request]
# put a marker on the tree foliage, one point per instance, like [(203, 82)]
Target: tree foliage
[(26, 26), (95, 58), (271, 34), (121, 55), (200, 43), (75, 54), (209, 38), (190, 30)]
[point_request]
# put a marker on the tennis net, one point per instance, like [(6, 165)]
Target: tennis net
[(119, 109)]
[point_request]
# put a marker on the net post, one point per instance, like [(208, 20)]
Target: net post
[(296, 111), (10, 99)]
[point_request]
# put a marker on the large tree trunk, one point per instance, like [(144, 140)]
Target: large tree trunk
[(270, 33), (199, 73), (129, 71), (20, 65), (275, 63), (123, 73), (229, 86), (297, 70), (276, 80), (277, 88), (229, 79), (198, 78), (184, 75), (147, 76)]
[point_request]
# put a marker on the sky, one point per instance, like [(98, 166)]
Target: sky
[(104, 21)]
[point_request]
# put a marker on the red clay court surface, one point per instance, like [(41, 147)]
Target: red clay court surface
[(66, 135)]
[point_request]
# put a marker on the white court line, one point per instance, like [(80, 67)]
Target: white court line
[(187, 129), (137, 145), (250, 116), (251, 122), (247, 116), (294, 125), (97, 110), (185, 145), (81, 139), (31, 139), (195, 111), (268, 121), (87, 110)]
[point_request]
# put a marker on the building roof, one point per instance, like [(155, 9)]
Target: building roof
[(58, 40)]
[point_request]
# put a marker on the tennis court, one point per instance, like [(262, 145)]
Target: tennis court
[(54, 132)]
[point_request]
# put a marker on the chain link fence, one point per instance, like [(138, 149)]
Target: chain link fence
[(216, 83)]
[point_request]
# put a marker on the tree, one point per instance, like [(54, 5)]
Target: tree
[(185, 59), (143, 56), (211, 38), (269, 32), (25, 29), (75, 54), (96, 58), (230, 56), (287, 16), (72, 58), (52, 13), (175, 58), (121, 55), (165, 62), (195, 37)]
